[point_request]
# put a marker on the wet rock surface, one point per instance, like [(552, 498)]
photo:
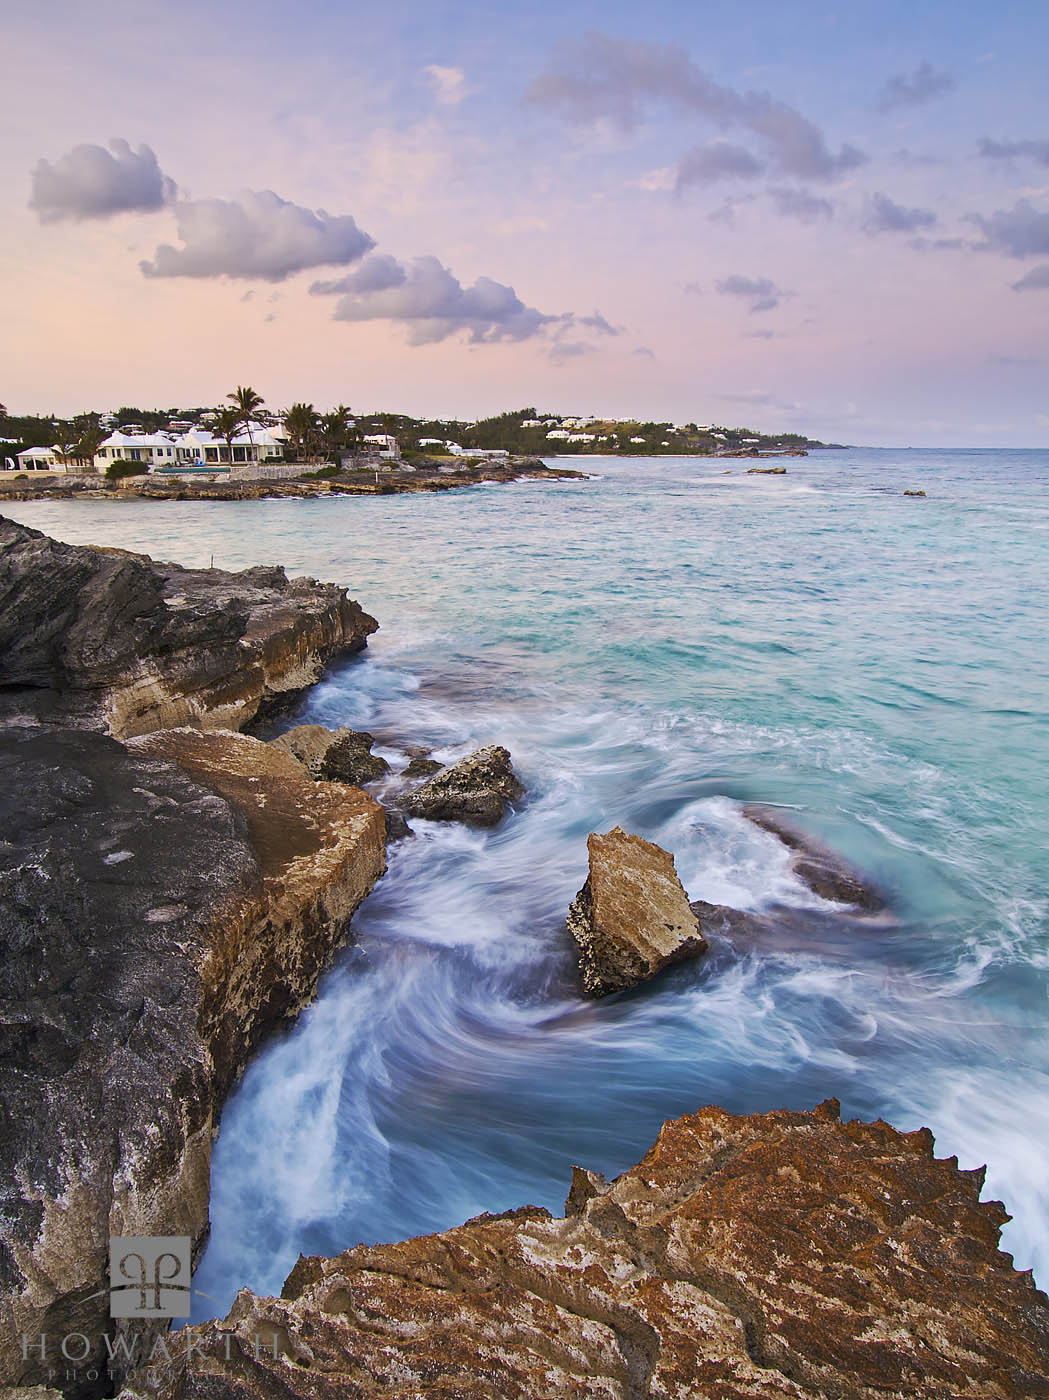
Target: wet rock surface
[(824, 871), (477, 790), (163, 905), (343, 755), (632, 918), (120, 643), (784, 1254)]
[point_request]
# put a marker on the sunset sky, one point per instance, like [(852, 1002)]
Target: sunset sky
[(829, 218)]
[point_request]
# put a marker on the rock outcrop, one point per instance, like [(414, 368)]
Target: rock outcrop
[(476, 790), (344, 755), (163, 905), (823, 870), (632, 917), (780, 1256), (102, 639)]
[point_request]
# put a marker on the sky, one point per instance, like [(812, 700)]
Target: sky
[(808, 217)]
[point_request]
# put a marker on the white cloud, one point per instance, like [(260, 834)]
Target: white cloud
[(258, 236), (90, 182), (449, 84), (603, 78), (432, 303)]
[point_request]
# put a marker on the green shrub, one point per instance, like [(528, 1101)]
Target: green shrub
[(123, 467)]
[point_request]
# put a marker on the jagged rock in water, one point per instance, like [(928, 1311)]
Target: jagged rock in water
[(476, 790), (117, 642), (777, 1256), (632, 917), (163, 905), (823, 870), (422, 768), (343, 755)]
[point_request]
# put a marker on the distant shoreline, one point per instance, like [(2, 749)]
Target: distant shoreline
[(389, 480)]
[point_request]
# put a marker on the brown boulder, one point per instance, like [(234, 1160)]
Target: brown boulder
[(632, 917), (780, 1256), (342, 755)]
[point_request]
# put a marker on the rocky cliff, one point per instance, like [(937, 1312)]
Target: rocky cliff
[(778, 1255), (163, 905), (117, 642)]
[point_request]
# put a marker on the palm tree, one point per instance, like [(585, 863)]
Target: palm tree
[(301, 423), (247, 403), (87, 444), (225, 423), (334, 430)]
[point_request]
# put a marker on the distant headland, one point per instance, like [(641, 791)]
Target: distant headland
[(242, 443)]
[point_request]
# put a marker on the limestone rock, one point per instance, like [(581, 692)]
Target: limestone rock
[(476, 790), (163, 905), (823, 870), (632, 917), (103, 639), (341, 754), (779, 1256)]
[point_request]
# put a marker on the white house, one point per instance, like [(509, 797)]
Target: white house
[(40, 459), (385, 442), (196, 448)]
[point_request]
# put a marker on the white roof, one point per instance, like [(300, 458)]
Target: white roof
[(119, 439), (38, 452)]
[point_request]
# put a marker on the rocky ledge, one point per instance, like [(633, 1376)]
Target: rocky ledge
[(118, 642), (163, 905), (784, 1254), (379, 478)]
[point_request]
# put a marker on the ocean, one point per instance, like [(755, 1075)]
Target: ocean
[(657, 646)]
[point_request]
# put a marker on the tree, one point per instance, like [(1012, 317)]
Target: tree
[(225, 423), (91, 438), (301, 424), (335, 432), (247, 403)]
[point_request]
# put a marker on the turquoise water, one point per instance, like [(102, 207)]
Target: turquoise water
[(656, 647)]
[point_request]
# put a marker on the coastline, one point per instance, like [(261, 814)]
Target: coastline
[(912, 1392), (381, 480)]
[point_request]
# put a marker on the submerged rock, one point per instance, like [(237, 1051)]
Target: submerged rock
[(914, 493), (103, 639), (476, 790), (341, 754), (777, 1256), (632, 917), (824, 871), (766, 471), (163, 905)]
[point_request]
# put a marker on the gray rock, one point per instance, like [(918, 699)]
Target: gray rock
[(103, 639), (163, 906), (422, 768), (476, 790), (824, 871)]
